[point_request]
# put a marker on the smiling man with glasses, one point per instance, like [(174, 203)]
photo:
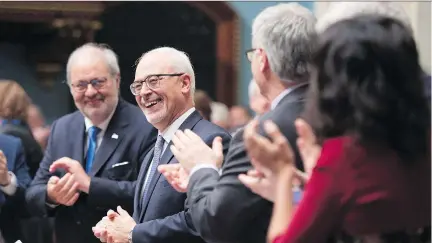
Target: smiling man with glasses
[(164, 89), (93, 155)]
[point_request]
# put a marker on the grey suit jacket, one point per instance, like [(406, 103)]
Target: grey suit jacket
[(163, 217), (222, 208)]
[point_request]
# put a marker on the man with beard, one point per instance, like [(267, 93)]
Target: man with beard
[(93, 155)]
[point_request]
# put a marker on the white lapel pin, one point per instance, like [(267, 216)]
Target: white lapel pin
[(115, 136)]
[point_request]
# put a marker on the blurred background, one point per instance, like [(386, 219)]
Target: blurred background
[(37, 37)]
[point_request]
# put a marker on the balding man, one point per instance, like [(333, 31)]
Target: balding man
[(93, 155), (164, 90)]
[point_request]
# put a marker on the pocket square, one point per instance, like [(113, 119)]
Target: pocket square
[(120, 164)]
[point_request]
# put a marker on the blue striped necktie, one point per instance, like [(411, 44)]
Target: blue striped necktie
[(92, 145), (153, 165)]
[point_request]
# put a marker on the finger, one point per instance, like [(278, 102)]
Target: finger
[(73, 199), (122, 212), (176, 153), (53, 180), (191, 135), (250, 182), (183, 138), (168, 168), (71, 192), (217, 146), (60, 184), (177, 142), (304, 130), (66, 185), (255, 173), (60, 164), (180, 187), (274, 133), (112, 214), (250, 129), (303, 177)]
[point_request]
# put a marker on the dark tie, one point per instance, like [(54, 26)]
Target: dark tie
[(92, 145), (153, 165)]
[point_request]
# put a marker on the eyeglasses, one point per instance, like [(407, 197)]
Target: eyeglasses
[(82, 86), (249, 54), (152, 82)]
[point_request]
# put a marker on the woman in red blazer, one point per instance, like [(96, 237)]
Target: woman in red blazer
[(372, 175)]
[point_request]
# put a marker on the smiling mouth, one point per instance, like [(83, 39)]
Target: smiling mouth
[(152, 103)]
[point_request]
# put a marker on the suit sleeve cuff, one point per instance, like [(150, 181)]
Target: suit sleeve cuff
[(203, 166), (12, 187)]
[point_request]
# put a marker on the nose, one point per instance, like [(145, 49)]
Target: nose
[(90, 91), (144, 91)]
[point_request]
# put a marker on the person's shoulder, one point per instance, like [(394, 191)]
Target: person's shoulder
[(9, 141)]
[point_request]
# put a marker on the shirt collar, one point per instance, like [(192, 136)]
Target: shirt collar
[(284, 93), (171, 129), (103, 126)]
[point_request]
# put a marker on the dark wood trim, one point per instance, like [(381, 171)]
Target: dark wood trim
[(226, 48), (226, 19)]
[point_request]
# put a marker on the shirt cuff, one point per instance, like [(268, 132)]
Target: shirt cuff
[(51, 205), (203, 166), (12, 187)]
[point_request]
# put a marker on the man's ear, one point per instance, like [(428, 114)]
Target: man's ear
[(186, 83)]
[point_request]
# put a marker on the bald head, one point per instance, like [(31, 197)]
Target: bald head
[(175, 60)]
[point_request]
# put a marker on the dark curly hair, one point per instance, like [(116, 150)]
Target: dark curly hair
[(367, 83)]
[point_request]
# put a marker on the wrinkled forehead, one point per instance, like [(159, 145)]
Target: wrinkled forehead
[(152, 64)]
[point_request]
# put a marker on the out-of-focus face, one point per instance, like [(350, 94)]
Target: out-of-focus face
[(238, 116), (169, 94), (258, 103), (96, 101)]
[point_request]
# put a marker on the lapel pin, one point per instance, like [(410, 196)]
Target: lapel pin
[(115, 136)]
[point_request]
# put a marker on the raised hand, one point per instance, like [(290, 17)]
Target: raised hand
[(63, 191), (176, 175)]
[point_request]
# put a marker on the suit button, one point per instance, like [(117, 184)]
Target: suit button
[(78, 222)]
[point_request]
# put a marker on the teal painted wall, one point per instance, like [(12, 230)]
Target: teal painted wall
[(247, 12)]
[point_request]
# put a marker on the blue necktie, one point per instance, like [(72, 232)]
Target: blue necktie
[(153, 165), (92, 144)]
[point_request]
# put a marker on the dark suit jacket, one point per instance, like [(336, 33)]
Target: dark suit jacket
[(222, 208), (109, 186), (13, 205), (32, 149), (164, 219)]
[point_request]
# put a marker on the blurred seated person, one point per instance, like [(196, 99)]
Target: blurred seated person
[(220, 115), (36, 122), (14, 107), (202, 104), (239, 117), (371, 181), (14, 179), (257, 102)]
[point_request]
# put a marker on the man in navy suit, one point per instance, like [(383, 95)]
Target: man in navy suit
[(93, 155), (164, 89), (14, 179)]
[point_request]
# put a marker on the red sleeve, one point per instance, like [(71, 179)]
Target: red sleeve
[(318, 212)]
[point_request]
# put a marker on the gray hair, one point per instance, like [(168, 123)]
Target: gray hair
[(287, 34), (339, 11), (179, 61), (109, 56)]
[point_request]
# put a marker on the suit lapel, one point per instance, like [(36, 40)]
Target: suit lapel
[(111, 139), (77, 142), (138, 213), (167, 157)]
